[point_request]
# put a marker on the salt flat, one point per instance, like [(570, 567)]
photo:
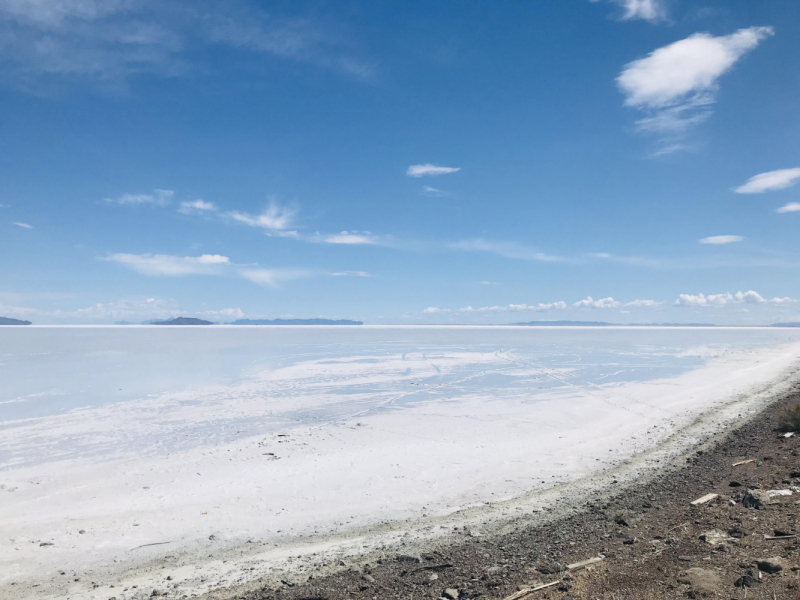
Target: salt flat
[(257, 445)]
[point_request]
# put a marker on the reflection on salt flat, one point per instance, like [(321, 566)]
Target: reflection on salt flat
[(112, 392)]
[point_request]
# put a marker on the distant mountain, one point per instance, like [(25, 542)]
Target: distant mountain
[(567, 323), (294, 322), (9, 321), (786, 325), (182, 321)]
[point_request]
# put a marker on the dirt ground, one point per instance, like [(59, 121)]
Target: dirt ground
[(651, 541)]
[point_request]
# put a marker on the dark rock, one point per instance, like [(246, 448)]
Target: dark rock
[(772, 565), (749, 579), (407, 558), (550, 568), (755, 499), (734, 484)]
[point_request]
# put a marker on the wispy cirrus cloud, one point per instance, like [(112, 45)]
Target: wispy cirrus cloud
[(156, 198), (351, 274), (193, 207), (168, 265), (23, 225), (506, 249), (718, 240), (676, 85), (106, 42), (275, 220), (273, 277), (434, 192), (648, 10), (770, 181), (348, 237), (429, 170)]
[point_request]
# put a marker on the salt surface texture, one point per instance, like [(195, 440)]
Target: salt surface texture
[(237, 442)]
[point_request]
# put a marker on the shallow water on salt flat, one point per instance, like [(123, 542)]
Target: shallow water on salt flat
[(180, 387)]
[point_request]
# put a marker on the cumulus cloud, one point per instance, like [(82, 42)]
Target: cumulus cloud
[(701, 300), (790, 207), (23, 225), (721, 239), (770, 181), (189, 207), (157, 198), (589, 302), (172, 266), (272, 277), (431, 310), (676, 84), (428, 170), (275, 220)]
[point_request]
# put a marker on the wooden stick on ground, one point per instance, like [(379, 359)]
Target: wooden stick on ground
[(744, 462), (524, 592)]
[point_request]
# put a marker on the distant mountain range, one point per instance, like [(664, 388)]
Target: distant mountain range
[(181, 321), (603, 324), (294, 322), (786, 325), (10, 321)]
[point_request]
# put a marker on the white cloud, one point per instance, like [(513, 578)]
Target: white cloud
[(721, 239), (642, 304), (589, 302), (273, 277), (157, 198), (351, 274), (428, 169), (506, 249), (170, 266), (23, 225), (489, 283), (784, 300), (47, 43), (5, 206), (189, 207), (676, 84), (275, 219), (431, 310), (769, 181), (541, 307), (649, 10), (349, 238), (434, 192), (749, 297), (790, 207)]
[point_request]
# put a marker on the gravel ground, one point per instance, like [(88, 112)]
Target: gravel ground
[(651, 541)]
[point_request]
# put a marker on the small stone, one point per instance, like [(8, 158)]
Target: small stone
[(550, 568), (704, 582), (755, 499), (450, 594), (433, 577), (627, 519), (367, 577), (629, 541), (408, 558), (686, 558)]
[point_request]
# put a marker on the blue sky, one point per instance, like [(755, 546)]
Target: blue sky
[(414, 162)]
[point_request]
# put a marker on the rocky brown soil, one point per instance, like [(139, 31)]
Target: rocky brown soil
[(651, 541)]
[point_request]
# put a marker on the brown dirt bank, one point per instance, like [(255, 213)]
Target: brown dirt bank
[(650, 537)]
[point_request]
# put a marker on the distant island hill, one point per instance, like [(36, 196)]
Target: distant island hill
[(194, 321), (8, 321)]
